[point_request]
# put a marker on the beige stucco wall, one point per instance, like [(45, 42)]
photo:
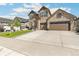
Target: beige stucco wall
[(38, 25)]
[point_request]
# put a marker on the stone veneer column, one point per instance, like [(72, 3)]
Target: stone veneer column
[(72, 26), (38, 24), (48, 25)]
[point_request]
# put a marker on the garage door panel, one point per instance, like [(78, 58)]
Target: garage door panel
[(61, 26)]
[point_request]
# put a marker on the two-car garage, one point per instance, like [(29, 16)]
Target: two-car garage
[(59, 26)]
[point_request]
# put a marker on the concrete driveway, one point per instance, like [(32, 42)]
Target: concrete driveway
[(58, 38), (42, 43)]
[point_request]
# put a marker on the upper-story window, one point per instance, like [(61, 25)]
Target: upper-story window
[(46, 13), (31, 16), (43, 13), (59, 15)]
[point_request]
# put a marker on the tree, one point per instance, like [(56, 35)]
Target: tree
[(16, 22)]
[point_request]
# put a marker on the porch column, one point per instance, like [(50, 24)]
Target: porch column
[(48, 24), (72, 25), (38, 24)]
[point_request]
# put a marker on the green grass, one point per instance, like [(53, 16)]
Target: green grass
[(14, 34)]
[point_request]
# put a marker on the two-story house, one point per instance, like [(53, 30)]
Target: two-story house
[(59, 20)]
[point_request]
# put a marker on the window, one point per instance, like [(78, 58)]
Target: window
[(44, 13), (31, 16), (59, 15)]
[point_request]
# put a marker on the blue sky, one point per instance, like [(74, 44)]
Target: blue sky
[(10, 10)]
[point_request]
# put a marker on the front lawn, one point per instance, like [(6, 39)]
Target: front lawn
[(14, 34)]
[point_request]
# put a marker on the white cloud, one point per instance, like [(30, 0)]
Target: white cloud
[(13, 14), (26, 8), (3, 4), (52, 10), (33, 6), (63, 8), (27, 5), (11, 4), (19, 10)]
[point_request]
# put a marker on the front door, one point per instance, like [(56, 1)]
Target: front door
[(43, 26)]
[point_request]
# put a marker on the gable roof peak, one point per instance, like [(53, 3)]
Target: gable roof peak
[(43, 7), (60, 10), (32, 11)]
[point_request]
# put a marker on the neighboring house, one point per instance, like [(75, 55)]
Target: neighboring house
[(23, 23), (4, 23), (59, 20), (7, 29)]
